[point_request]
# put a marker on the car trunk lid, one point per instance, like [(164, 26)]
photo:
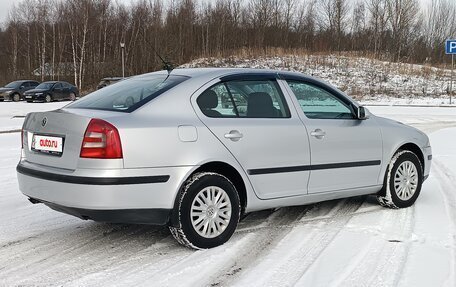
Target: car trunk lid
[(54, 138)]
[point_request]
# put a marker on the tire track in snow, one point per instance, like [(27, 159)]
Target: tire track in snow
[(296, 250), (447, 183), (381, 261), (179, 261), (266, 237), (80, 250), (205, 267)]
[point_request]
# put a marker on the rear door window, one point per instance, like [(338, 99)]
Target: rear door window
[(244, 99)]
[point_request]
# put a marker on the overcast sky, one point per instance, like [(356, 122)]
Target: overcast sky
[(5, 5)]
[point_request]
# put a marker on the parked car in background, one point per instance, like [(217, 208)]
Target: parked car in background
[(14, 91), (165, 149), (108, 81), (52, 91)]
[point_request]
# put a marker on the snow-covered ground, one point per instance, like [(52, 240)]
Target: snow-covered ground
[(350, 242), (12, 113)]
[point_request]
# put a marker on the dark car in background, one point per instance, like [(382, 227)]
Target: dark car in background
[(52, 91), (14, 91), (108, 81)]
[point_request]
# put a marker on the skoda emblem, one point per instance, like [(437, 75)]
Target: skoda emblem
[(44, 121)]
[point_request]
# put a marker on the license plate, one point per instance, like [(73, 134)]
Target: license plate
[(47, 144), (28, 97)]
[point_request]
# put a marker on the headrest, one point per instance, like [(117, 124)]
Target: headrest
[(260, 105), (207, 100)]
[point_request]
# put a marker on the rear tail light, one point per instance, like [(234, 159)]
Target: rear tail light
[(101, 140), (22, 138)]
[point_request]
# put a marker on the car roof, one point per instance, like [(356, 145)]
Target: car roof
[(221, 72), (112, 79), (54, 82)]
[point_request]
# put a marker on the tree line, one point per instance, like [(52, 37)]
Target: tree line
[(79, 40)]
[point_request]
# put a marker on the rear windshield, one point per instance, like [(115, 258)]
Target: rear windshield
[(129, 94)]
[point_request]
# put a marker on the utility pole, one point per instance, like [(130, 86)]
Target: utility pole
[(122, 47)]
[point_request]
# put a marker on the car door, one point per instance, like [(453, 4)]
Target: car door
[(346, 152), (251, 117), (66, 90), (58, 92), (23, 88), (28, 86)]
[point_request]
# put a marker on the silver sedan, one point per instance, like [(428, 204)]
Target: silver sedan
[(197, 148)]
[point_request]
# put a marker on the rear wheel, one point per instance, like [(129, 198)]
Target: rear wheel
[(72, 97), (208, 211), (16, 97), (48, 98), (403, 181)]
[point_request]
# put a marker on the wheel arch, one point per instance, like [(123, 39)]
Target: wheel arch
[(415, 149), (408, 146), (219, 167)]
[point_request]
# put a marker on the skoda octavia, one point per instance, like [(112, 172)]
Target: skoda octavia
[(196, 148)]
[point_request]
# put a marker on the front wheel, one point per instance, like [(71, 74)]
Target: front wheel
[(208, 212), (48, 98), (403, 181), (72, 97)]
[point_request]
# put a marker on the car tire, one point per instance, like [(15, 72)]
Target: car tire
[(48, 98), (72, 97), (16, 97), (208, 211), (403, 181)]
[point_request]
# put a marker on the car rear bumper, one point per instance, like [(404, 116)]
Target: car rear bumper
[(154, 216), (122, 198)]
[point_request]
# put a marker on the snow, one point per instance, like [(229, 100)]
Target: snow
[(12, 113), (349, 242)]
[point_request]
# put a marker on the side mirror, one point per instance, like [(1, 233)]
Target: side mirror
[(21, 87), (361, 113)]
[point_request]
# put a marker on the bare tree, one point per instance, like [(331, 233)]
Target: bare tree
[(439, 25), (377, 23), (78, 40), (402, 16), (335, 14)]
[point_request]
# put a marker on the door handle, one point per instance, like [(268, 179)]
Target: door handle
[(234, 135), (318, 133)]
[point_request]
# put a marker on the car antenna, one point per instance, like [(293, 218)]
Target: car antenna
[(167, 65)]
